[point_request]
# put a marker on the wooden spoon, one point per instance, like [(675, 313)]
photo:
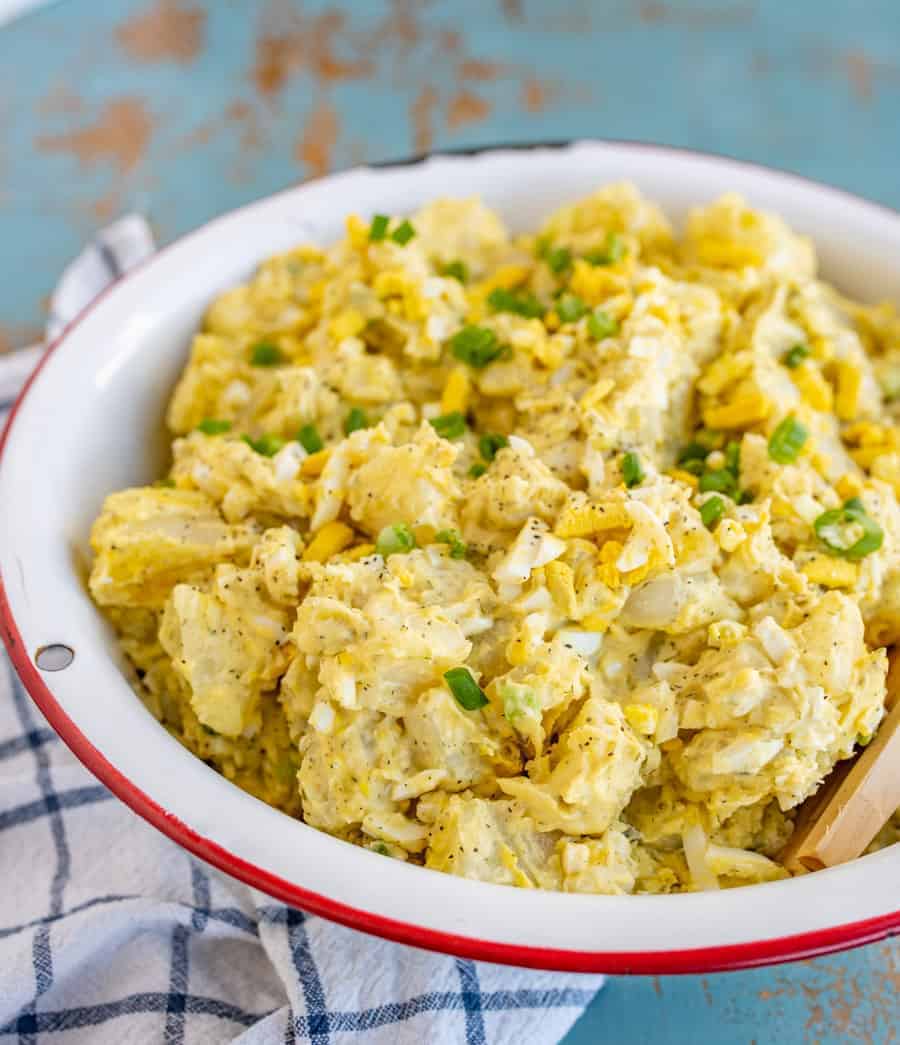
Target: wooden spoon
[(858, 798)]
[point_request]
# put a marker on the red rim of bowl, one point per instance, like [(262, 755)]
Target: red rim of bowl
[(695, 960)]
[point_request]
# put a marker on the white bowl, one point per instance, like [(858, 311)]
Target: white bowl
[(85, 426)]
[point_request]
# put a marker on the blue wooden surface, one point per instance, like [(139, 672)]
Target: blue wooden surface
[(185, 108)]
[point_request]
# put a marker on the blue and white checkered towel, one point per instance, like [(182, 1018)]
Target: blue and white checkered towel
[(109, 932)]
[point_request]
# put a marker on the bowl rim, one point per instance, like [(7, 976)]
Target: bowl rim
[(723, 957)]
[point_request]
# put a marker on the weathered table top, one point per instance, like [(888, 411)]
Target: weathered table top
[(185, 108)]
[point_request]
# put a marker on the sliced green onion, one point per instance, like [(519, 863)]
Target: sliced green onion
[(601, 324), (457, 544), (795, 355), (711, 511), (355, 420), (490, 443), (522, 304), (468, 693), (266, 354), (745, 497), (477, 470), (613, 251), (709, 438), (449, 426), (403, 233), (733, 458), (720, 480), (788, 439), (476, 346), (849, 532), (694, 465), (167, 484), (213, 426), (570, 308), (632, 469), (308, 437), (519, 702), (558, 259), (393, 539), (693, 452), (458, 270), (378, 228), (268, 445)]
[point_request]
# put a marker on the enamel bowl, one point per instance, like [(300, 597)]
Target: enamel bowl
[(90, 422)]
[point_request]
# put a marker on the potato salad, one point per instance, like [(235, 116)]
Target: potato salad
[(564, 560)]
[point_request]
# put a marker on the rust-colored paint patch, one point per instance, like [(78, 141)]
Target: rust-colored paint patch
[(319, 137), (104, 208), (466, 107), (536, 95), (421, 115), (861, 73), (276, 59), (512, 9), (306, 43), (475, 69), (119, 136), (167, 31), (19, 337), (858, 1006), (449, 41), (654, 11), (400, 26)]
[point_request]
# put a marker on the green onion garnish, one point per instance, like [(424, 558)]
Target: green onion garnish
[(711, 511), (308, 437), (476, 346), (266, 354), (490, 443), (522, 304), (393, 539), (795, 356), (849, 532), (613, 251), (558, 258), (378, 228), (570, 308), (788, 439), (167, 484), (403, 233), (721, 480), (601, 324), (694, 465), (458, 270), (449, 426), (632, 469), (268, 445), (733, 457), (457, 544), (477, 470), (468, 693), (693, 452), (213, 426), (355, 420), (519, 702)]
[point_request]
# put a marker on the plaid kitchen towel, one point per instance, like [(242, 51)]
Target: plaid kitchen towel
[(109, 932)]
